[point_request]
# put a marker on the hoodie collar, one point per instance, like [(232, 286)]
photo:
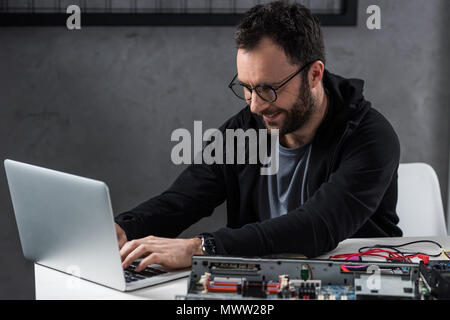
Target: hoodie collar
[(346, 103), (345, 92)]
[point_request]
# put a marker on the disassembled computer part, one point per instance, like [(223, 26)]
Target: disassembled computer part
[(221, 277), (435, 279)]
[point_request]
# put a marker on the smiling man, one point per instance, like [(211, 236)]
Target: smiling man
[(338, 159)]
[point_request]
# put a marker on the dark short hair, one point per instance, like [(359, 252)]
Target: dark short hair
[(291, 26)]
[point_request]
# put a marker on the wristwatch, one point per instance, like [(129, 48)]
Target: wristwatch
[(208, 244)]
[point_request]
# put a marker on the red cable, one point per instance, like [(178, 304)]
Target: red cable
[(373, 252)]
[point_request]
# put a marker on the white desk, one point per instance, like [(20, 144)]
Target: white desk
[(52, 284)]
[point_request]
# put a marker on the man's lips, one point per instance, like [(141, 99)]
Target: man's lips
[(269, 117)]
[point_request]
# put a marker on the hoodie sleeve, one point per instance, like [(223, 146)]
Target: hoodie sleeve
[(339, 208), (193, 195)]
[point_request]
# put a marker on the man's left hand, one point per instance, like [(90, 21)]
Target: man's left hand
[(170, 253)]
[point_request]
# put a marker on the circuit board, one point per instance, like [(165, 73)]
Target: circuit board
[(228, 278), (436, 279)]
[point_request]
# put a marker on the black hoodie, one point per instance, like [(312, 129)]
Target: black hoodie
[(352, 187)]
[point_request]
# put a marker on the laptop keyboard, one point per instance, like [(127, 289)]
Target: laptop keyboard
[(131, 275)]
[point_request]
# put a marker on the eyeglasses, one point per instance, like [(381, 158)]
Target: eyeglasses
[(266, 92)]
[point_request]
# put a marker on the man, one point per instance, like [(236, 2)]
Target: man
[(338, 159)]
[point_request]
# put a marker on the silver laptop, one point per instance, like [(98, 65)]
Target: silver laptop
[(66, 223)]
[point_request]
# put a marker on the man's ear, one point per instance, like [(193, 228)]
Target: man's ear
[(315, 74)]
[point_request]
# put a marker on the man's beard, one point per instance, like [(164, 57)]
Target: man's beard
[(299, 114)]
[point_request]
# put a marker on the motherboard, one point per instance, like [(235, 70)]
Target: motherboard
[(217, 277)]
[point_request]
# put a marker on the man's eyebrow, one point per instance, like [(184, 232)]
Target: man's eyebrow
[(259, 84)]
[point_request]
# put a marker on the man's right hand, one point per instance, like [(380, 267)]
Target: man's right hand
[(121, 236)]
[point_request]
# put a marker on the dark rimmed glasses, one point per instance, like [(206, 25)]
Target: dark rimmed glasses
[(264, 91)]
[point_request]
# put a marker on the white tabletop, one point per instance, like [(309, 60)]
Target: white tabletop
[(52, 284)]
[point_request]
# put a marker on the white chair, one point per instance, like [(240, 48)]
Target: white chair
[(419, 205)]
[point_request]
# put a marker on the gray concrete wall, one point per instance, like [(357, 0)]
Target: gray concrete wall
[(102, 102)]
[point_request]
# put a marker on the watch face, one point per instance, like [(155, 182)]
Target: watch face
[(208, 245)]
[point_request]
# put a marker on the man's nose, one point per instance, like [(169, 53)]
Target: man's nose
[(257, 104)]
